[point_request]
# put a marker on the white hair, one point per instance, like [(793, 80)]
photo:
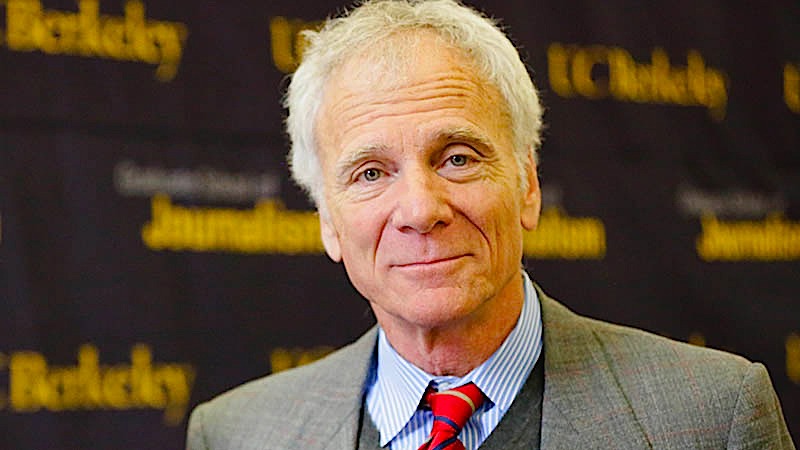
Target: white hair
[(479, 37)]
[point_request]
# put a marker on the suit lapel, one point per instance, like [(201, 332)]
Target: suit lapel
[(584, 405), (335, 398)]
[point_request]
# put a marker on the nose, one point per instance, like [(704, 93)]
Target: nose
[(421, 202)]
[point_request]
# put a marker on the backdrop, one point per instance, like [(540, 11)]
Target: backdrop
[(154, 252)]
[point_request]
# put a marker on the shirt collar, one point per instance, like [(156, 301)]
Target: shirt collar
[(399, 385)]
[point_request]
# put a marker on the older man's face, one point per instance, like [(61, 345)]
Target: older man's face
[(422, 189)]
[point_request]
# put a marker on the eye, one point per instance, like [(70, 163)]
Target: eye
[(371, 174), (458, 160)]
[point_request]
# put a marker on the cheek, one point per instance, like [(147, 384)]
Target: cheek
[(361, 233), (502, 219)]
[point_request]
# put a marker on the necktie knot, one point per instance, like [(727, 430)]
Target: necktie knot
[(451, 410)]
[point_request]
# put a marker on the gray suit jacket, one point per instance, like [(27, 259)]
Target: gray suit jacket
[(606, 387)]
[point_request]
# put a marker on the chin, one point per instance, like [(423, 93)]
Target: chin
[(437, 309)]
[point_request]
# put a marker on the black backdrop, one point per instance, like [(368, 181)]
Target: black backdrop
[(153, 252)]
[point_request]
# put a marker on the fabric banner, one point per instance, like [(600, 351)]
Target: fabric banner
[(154, 253)]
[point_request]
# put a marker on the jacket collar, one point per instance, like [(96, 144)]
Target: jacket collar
[(337, 405), (584, 403)]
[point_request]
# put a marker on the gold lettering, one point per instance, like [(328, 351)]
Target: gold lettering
[(153, 234), (283, 359), (572, 71), (697, 339), (791, 86), (176, 381), (287, 41), (697, 84), (89, 375), (169, 40), (87, 33), (267, 228), (21, 21), (116, 387), (557, 69), (583, 63), (90, 42), (25, 372), (282, 45), (142, 381), (793, 357), (564, 237), (771, 239), (715, 82), (142, 384), (665, 85), (63, 389), (622, 68)]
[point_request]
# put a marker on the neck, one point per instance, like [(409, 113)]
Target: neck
[(458, 347)]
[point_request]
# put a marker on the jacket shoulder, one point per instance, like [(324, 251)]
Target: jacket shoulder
[(684, 396), (276, 407), (625, 346)]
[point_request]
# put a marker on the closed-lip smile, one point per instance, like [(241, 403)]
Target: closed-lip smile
[(430, 262)]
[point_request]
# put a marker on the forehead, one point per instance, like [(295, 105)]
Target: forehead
[(395, 60), (410, 74)]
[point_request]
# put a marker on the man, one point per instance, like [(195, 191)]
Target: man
[(414, 127)]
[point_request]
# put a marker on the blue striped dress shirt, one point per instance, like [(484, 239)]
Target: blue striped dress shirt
[(395, 386)]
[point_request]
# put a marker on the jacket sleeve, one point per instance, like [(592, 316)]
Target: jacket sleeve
[(758, 421)]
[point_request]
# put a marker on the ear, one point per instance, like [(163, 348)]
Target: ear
[(330, 238), (532, 200)]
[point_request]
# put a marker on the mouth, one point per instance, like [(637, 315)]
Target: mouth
[(430, 262)]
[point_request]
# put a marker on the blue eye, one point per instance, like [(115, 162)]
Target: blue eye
[(459, 160), (371, 174)]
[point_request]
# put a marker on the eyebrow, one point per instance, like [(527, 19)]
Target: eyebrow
[(361, 154), (466, 134), (369, 151)]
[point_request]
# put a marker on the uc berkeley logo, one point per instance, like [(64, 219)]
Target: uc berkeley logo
[(87, 33)]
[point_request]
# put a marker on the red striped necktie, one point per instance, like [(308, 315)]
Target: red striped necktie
[(451, 410)]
